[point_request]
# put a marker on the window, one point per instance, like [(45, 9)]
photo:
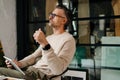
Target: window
[(93, 20)]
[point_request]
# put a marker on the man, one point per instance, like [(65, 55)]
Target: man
[(55, 52)]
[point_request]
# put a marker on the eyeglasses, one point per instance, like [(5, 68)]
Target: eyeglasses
[(53, 15)]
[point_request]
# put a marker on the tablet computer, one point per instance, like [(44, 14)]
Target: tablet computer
[(14, 65)]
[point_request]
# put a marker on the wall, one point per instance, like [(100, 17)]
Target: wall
[(116, 7), (84, 31), (50, 5), (8, 27)]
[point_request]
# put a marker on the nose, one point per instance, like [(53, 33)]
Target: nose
[(50, 17)]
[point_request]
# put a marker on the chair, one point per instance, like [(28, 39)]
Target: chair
[(58, 75), (75, 74)]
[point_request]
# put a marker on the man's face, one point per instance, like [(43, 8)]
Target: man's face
[(57, 18)]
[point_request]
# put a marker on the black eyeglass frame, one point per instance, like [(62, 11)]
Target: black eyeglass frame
[(53, 15)]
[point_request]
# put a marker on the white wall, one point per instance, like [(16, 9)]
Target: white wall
[(8, 27)]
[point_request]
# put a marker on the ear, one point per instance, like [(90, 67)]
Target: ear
[(64, 20)]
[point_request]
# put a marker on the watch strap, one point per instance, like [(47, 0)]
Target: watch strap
[(47, 47)]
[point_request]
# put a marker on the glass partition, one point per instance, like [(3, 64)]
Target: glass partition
[(93, 21)]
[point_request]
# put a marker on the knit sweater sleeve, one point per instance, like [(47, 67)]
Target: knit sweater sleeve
[(31, 59), (58, 63)]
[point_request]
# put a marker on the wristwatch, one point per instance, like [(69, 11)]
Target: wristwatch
[(47, 47)]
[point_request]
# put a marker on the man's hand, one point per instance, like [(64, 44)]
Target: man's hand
[(39, 37), (15, 61), (8, 64)]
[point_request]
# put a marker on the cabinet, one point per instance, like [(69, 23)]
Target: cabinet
[(110, 62)]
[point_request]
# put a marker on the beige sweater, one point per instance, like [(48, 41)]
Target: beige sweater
[(55, 60)]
